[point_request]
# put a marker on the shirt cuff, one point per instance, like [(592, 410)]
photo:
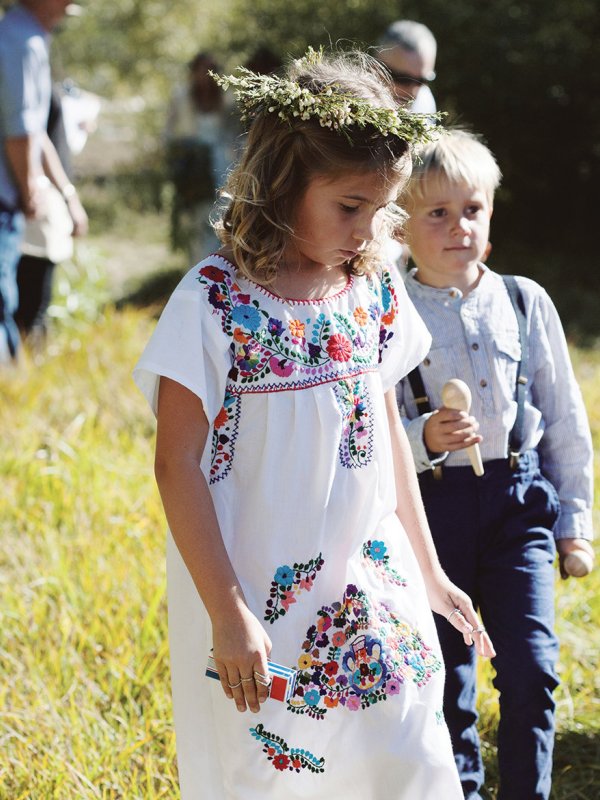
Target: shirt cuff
[(424, 460), (574, 525)]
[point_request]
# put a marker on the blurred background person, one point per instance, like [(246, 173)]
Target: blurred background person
[(47, 239), (199, 138), (28, 159), (408, 49)]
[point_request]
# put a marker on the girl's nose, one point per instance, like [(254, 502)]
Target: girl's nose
[(366, 230)]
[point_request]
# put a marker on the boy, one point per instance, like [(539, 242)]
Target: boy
[(494, 534)]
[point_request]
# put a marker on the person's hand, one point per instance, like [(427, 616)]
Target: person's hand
[(567, 546), (447, 430), (78, 215), (455, 605), (240, 649)]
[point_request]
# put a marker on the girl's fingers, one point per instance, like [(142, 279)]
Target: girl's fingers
[(466, 621)]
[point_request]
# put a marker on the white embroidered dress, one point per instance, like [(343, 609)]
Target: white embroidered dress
[(300, 470)]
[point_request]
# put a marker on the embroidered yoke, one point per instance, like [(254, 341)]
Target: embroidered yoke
[(299, 465)]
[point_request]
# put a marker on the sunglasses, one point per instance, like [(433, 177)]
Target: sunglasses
[(402, 79)]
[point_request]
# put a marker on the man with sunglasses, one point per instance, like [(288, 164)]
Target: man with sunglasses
[(408, 50)]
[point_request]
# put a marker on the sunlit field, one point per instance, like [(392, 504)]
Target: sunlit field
[(84, 683)]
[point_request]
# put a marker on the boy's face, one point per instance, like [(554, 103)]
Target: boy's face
[(448, 233)]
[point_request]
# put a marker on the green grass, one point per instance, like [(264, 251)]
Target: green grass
[(84, 685)]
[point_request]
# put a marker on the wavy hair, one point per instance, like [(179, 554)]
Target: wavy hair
[(280, 158)]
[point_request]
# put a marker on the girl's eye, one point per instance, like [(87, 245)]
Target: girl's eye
[(348, 209)]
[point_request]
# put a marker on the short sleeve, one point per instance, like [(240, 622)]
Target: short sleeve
[(404, 339), (190, 347)]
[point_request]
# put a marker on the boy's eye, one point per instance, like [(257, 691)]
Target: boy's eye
[(473, 209), (437, 212)]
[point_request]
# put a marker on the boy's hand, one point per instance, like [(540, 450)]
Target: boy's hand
[(447, 430), (567, 546)]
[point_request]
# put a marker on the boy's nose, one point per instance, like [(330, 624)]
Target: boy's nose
[(462, 225)]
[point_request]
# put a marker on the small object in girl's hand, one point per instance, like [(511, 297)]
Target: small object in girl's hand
[(283, 679), (578, 564)]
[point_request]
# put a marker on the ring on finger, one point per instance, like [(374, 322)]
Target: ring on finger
[(246, 680), (481, 629), (234, 685), (263, 680), (453, 612)]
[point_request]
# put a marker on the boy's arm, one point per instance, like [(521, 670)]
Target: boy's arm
[(443, 595), (240, 643), (566, 446)]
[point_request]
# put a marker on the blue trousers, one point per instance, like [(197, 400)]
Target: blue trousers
[(494, 538), (11, 232)]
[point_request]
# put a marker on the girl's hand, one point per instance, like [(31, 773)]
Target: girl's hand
[(240, 649), (447, 429), (452, 603)]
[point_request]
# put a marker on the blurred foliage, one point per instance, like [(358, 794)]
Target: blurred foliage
[(524, 74)]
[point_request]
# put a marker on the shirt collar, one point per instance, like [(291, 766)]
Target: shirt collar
[(450, 293)]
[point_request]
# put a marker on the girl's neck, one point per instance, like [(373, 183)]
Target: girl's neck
[(306, 283)]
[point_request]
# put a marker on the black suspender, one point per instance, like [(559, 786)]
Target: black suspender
[(515, 440), (516, 436)]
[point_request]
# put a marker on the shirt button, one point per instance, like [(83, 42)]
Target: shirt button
[(474, 346), (483, 383), (426, 362)]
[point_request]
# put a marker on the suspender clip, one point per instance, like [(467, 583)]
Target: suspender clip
[(514, 460), (437, 472)]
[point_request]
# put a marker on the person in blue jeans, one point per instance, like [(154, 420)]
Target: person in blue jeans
[(27, 156), (496, 535)]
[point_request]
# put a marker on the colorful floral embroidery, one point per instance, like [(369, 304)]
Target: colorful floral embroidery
[(355, 656), (274, 352), (389, 301), (225, 430), (287, 584), (357, 431), (375, 553), (283, 757)]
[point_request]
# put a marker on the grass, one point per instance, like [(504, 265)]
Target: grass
[(84, 685)]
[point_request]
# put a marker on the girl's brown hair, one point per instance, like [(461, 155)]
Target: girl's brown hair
[(280, 158)]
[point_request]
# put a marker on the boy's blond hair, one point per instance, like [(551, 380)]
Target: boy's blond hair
[(458, 156)]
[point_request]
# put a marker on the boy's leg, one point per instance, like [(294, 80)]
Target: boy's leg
[(516, 595), (453, 513)]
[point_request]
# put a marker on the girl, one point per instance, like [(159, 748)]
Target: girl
[(301, 537)]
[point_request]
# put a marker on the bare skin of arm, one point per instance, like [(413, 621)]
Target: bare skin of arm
[(54, 170), (240, 643), (443, 595)]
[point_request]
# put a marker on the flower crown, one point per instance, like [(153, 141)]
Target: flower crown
[(332, 107)]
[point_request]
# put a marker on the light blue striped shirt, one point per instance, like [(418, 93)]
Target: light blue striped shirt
[(476, 339)]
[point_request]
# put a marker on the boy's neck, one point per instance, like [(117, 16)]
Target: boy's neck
[(465, 282)]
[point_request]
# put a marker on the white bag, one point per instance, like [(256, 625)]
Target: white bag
[(50, 234)]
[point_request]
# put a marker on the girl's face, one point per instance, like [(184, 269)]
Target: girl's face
[(337, 218), (448, 233)]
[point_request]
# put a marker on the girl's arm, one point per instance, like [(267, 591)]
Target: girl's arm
[(443, 595), (240, 643)]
